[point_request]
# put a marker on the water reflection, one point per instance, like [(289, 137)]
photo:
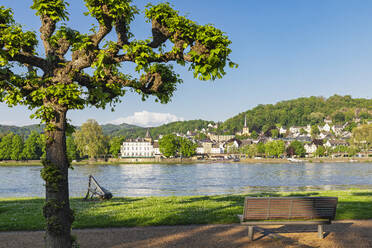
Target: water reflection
[(194, 179)]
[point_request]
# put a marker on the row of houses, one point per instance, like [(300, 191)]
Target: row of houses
[(329, 136)]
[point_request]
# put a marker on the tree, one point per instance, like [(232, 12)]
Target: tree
[(298, 148), (362, 137), (6, 147), (90, 140), (33, 149), (71, 149), (274, 133), (17, 148), (254, 135), (54, 84), (168, 145), (320, 151), (314, 131), (186, 147), (275, 148), (115, 145)]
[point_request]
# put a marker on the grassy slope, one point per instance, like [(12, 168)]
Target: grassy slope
[(26, 213)]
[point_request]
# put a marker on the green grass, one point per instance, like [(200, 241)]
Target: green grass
[(26, 213)]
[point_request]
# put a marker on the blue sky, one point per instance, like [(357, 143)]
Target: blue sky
[(285, 49)]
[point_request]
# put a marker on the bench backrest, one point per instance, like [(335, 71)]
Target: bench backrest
[(270, 208)]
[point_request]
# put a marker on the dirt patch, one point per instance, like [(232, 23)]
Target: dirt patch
[(341, 234)]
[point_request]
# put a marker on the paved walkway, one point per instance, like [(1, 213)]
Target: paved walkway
[(341, 234)]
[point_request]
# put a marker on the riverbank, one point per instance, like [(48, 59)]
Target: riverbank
[(194, 161), (26, 213)]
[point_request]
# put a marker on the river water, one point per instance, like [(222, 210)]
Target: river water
[(193, 179)]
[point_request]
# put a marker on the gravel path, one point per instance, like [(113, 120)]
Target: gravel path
[(341, 234)]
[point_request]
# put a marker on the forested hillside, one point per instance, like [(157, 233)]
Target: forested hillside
[(297, 112), (178, 127), (22, 131), (301, 111)]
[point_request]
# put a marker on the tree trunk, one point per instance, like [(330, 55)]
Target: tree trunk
[(57, 212)]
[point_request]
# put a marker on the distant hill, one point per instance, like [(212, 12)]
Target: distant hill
[(23, 131), (178, 126), (296, 112), (126, 130), (300, 112)]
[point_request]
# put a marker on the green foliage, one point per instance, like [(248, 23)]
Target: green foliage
[(71, 149), (17, 148), (362, 137), (209, 45), (275, 148), (274, 133), (168, 145), (77, 40), (186, 147), (254, 134), (261, 148), (90, 140), (320, 151), (114, 9), (12, 38), (115, 144), (6, 147), (54, 9), (338, 117), (250, 150), (298, 148), (33, 147), (297, 112), (314, 130), (51, 174)]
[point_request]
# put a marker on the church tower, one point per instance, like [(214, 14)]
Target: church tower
[(148, 137), (245, 128)]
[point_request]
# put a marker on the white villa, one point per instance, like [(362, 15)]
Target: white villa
[(139, 148)]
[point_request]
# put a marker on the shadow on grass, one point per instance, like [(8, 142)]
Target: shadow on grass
[(362, 193)]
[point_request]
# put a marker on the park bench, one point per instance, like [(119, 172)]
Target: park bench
[(94, 189), (288, 210)]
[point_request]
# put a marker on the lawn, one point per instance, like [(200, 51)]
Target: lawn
[(26, 213)]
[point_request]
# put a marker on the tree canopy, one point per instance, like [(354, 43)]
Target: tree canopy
[(83, 68)]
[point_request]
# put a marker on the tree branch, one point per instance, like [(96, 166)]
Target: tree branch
[(160, 34), (28, 60), (47, 28)]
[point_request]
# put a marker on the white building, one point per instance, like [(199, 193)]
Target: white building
[(310, 148), (139, 148)]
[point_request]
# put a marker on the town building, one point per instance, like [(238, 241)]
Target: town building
[(140, 147), (245, 130)]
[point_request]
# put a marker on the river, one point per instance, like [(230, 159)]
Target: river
[(193, 179)]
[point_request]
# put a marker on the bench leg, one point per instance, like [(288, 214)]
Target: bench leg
[(250, 232), (320, 231)]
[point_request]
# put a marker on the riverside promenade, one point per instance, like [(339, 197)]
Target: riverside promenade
[(341, 234)]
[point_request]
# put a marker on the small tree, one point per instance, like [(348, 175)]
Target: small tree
[(168, 145), (320, 151), (186, 147), (115, 145), (298, 148), (17, 148), (314, 131), (90, 140), (6, 147), (71, 148), (33, 149), (59, 82)]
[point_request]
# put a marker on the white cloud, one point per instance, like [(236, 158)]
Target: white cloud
[(147, 119)]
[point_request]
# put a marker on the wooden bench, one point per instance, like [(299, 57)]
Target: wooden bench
[(288, 210)]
